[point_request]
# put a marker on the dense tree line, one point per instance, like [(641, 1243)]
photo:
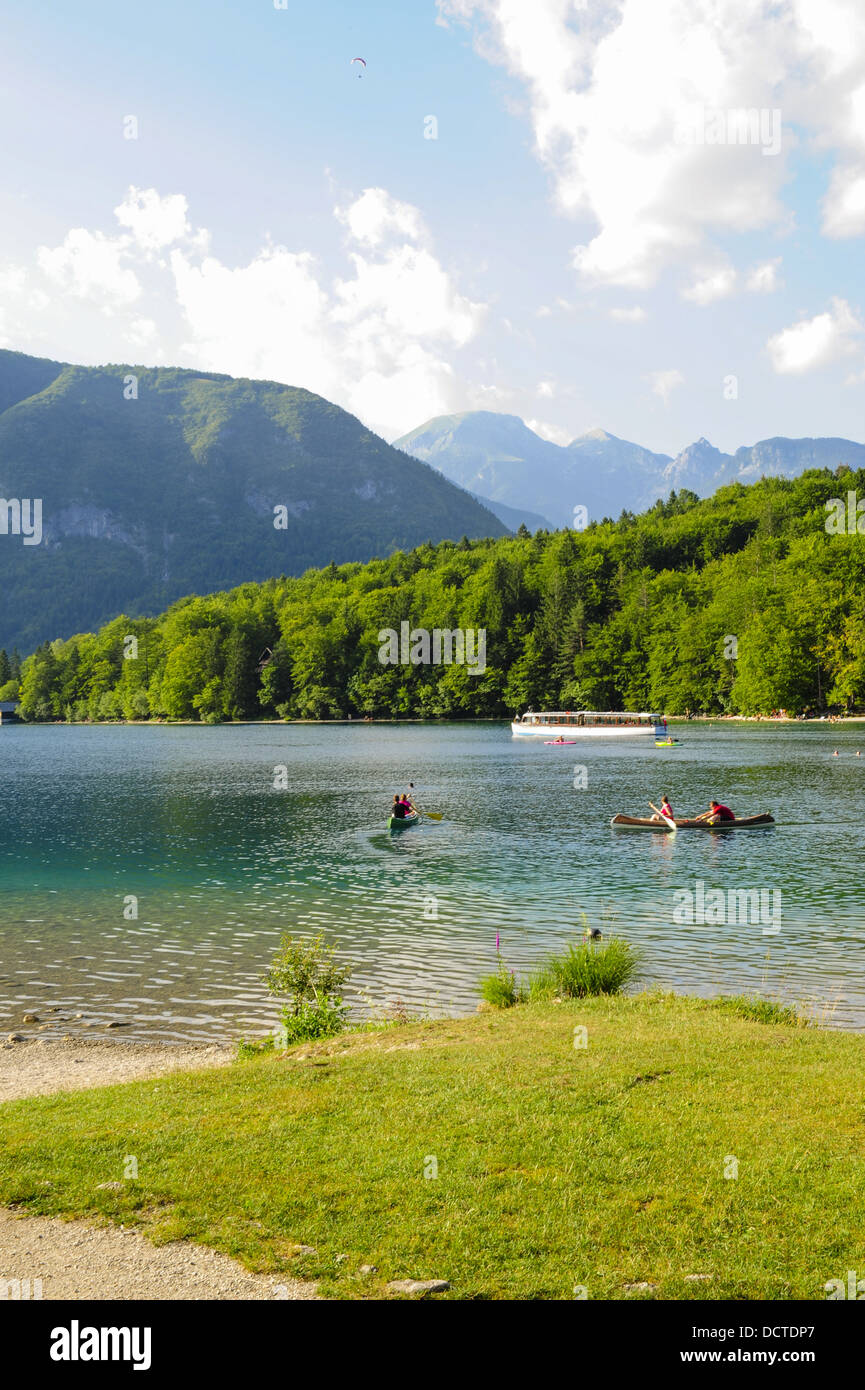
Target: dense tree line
[(741, 603)]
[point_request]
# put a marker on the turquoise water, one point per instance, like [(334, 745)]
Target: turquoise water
[(188, 821)]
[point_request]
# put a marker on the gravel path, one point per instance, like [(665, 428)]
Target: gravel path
[(74, 1260), (38, 1068)]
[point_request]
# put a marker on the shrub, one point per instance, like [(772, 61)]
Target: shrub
[(588, 968), (307, 974), (501, 990)]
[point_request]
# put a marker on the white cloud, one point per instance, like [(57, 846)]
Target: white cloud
[(265, 319), (763, 279), (556, 434), (546, 388), (817, 342), (712, 285), (375, 216), (376, 340), (154, 222), (663, 383), (141, 332), (607, 85), (372, 341), (844, 204), (90, 265), (635, 314)]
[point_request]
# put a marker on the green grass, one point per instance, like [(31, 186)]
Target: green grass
[(762, 1010), (558, 1164), (501, 990), (587, 968)]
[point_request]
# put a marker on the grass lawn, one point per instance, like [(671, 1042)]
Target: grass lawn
[(557, 1166)]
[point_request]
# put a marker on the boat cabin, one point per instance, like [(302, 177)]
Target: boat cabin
[(584, 718)]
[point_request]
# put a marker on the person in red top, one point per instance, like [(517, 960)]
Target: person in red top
[(716, 813)]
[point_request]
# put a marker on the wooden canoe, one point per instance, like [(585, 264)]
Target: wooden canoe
[(646, 823)]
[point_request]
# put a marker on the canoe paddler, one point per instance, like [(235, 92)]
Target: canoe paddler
[(716, 813), (665, 809), (397, 810)]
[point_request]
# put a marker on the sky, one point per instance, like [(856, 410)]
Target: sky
[(549, 209)]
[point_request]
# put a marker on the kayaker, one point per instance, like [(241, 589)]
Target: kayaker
[(397, 810), (716, 813)]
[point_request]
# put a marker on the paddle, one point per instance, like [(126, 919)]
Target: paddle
[(431, 815), (670, 824)]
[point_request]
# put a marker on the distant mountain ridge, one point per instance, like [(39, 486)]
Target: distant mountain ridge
[(151, 496), (500, 457)]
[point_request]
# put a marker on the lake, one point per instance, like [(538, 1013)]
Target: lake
[(188, 821)]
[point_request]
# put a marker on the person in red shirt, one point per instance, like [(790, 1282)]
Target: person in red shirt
[(716, 813)]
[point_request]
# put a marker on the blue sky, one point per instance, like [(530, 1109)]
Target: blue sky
[(281, 217)]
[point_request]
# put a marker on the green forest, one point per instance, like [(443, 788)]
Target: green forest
[(741, 603)]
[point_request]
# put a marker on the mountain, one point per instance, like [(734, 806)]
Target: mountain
[(500, 457), (147, 499), (495, 456), (703, 468), (515, 517)]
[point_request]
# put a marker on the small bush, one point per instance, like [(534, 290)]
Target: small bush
[(588, 968), (308, 974), (501, 990)]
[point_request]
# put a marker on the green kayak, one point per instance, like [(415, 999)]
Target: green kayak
[(403, 823)]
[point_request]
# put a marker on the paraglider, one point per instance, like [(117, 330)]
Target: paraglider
[(359, 60)]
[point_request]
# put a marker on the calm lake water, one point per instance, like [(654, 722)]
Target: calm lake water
[(188, 821)]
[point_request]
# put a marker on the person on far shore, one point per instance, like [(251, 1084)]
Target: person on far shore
[(716, 813)]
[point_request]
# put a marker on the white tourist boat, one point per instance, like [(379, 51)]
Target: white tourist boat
[(587, 723)]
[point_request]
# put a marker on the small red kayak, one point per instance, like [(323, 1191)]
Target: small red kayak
[(559, 742)]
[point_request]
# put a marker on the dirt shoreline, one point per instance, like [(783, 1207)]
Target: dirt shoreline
[(39, 1068)]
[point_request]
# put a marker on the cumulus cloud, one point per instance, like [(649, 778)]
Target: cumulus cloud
[(154, 222), (376, 216), (611, 88), (90, 265), (844, 204), (712, 285), (664, 383), (763, 279), (816, 342), (556, 434), (374, 341)]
